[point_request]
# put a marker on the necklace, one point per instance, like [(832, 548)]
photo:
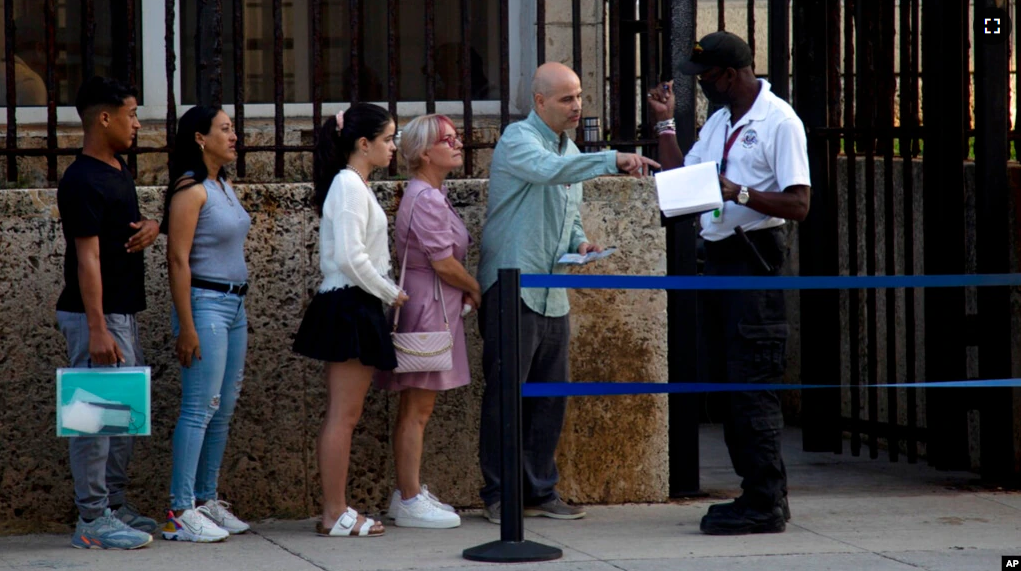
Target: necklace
[(364, 178)]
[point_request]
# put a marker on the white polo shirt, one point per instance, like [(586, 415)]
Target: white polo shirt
[(769, 154)]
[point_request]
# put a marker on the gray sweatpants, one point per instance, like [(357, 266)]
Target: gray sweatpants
[(99, 464)]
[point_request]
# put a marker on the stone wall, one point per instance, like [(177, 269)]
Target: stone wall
[(614, 449)]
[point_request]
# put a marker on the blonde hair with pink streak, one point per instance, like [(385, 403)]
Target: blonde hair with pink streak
[(418, 135)]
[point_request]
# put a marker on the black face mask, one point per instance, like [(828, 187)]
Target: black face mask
[(712, 93)]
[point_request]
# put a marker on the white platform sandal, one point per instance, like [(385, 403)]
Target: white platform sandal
[(345, 527)]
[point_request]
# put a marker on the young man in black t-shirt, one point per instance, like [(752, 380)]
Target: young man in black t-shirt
[(104, 277)]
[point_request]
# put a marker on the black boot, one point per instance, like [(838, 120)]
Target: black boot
[(783, 505), (741, 519)]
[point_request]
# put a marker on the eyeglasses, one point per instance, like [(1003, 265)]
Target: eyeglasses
[(451, 141)]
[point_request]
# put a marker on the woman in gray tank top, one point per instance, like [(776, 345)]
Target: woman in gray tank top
[(206, 227)]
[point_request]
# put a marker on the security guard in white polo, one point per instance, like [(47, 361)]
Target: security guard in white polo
[(760, 145)]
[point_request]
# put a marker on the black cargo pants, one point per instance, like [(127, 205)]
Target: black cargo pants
[(746, 335)]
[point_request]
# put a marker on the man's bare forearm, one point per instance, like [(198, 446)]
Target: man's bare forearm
[(670, 155), (91, 284)]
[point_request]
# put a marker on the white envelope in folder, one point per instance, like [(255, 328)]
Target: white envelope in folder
[(687, 190)]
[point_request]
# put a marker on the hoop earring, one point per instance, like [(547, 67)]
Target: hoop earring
[(203, 147)]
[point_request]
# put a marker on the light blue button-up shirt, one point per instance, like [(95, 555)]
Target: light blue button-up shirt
[(532, 217)]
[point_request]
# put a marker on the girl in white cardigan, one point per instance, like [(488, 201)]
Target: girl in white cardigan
[(344, 324)]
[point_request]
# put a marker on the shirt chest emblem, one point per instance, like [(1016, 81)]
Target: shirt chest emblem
[(749, 139)]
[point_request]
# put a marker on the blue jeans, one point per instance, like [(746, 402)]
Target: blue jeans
[(209, 391), (99, 464)]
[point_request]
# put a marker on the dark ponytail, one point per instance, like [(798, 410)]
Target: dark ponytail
[(187, 155), (334, 149)]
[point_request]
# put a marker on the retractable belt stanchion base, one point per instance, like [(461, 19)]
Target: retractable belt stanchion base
[(512, 547), (512, 552)]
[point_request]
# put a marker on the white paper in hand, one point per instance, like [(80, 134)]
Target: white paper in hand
[(688, 190)]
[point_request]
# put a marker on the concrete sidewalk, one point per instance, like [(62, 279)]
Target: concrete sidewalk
[(848, 514)]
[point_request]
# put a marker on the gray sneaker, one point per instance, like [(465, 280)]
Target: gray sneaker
[(129, 515), (492, 513), (555, 509), (108, 532)]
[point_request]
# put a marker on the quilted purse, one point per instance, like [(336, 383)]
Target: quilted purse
[(422, 351)]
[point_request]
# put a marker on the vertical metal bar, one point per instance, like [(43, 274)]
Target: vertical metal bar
[(51, 89), (88, 39), (129, 61), (650, 74), (240, 78), (909, 243), (998, 447), (393, 67), (615, 74), (908, 97), (890, 233), (943, 97), (11, 95), (209, 49), (317, 70), (864, 119), (817, 234), (681, 234), (751, 27), (779, 50), (853, 296), (430, 56), (169, 8), (721, 19), (540, 31), (576, 51), (278, 86), (967, 87), (1017, 83), (833, 22), (129, 14), (466, 86), (354, 16), (504, 64)]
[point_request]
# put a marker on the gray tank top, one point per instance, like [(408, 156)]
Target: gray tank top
[(218, 250)]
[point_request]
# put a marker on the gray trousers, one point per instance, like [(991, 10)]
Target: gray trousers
[(99, 464), (544, 359)]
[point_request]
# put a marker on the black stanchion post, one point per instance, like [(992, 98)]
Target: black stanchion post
[(512, 547)]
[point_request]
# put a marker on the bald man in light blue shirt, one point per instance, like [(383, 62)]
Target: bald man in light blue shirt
[(532, 219)]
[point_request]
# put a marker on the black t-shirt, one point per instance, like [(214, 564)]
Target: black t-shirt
[(96, 199)]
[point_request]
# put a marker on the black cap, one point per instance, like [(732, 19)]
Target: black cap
[(718, 49)]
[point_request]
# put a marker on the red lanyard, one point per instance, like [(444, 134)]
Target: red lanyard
[(726, 147)]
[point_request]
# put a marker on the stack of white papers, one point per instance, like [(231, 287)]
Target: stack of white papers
[(687, 190)]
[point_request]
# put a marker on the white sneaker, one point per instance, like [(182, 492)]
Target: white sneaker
[(445, 507), (192, 526), (424, 513), (396, 497), (219, 512)]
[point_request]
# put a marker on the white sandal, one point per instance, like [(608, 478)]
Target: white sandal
[(345, 526)]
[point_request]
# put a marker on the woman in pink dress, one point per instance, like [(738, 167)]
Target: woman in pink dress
[(436, 241)]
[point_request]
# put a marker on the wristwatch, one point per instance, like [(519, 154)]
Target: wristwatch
[(742, 197)]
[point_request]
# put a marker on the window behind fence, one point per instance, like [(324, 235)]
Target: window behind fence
[(30, 47), (338, 38)]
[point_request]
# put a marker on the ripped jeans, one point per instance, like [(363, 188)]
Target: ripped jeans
[(746, 335), (209, 392)]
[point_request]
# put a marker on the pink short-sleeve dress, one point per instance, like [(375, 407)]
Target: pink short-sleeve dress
[(436, 232)]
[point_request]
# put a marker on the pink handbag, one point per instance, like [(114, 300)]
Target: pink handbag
[(426, 351)]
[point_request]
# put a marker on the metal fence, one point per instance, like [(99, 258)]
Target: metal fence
[(628, 21)]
